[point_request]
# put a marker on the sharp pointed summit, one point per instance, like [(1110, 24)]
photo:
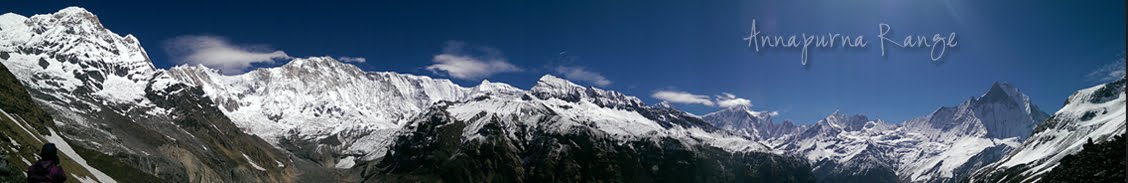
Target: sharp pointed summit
[(1002, 92), (550, 82), (1094, 114)]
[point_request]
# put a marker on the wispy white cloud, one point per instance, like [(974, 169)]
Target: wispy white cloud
[(725, 99), (352, 59), (1109, 72), (216, 52), (682, 97), (459, 63), (581, 74), (730, 100)]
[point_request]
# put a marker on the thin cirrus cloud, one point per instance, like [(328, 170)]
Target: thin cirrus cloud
[(218, 53), (581, 74), (470, 64), (682, 97), (1110, 71), (352, 59)]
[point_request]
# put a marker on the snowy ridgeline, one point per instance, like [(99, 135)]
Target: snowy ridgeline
[(1095, 114), (317, 99), (355, 113)]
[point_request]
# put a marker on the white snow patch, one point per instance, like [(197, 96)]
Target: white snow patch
[(252, 162), (346, 163), (13, 30), (20, 123), (83, 179), (13, 141), (121, 89)]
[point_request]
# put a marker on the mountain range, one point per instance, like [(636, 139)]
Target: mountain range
[(74, 82), (943, 146)]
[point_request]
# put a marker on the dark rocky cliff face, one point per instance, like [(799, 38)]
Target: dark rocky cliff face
[(19, 147), (1103, 162), (195, 143), (222, 152)]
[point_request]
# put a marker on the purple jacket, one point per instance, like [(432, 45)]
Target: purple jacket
[(45, 171)]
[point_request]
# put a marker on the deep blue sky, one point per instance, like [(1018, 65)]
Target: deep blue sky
[(1046, 48)]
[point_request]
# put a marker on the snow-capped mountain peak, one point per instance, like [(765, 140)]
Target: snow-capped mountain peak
[(745, 110), (1001, 112), (334, 112), (1094, 114), (664, 105), (1006, 112), (75, 10), (77, 19), (77, 36), (549, 86), (319, 67), (753, 124), (70, 55), (106, 95), (549, 81), (847, 122), (1005, 93), (945, 145), (317, 62), (740, 117), (496, 88)]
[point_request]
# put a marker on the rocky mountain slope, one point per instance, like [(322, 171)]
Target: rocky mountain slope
[(560, 131), (106, 96), (26, 128), (320, 108), (1091, 115)]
